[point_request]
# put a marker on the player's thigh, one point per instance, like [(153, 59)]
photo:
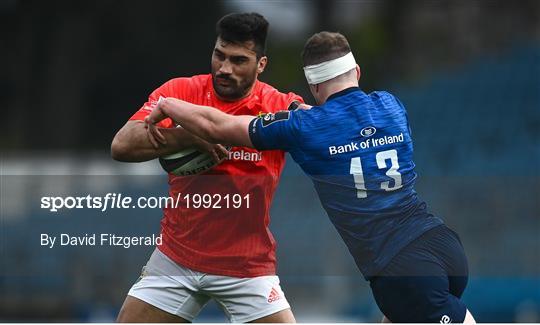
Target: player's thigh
[(258, 299), (416, 287), (284, 316), (445, 246), (450, 249), (168, 287), (417, 299), (135, 310)]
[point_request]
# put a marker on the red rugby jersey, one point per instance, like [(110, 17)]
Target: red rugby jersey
[(226, 241)]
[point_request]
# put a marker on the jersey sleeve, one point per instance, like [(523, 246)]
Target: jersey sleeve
[(400, 104), (172, 88), (278, 130)]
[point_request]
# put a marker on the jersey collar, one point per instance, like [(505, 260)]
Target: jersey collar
[(343, 92)]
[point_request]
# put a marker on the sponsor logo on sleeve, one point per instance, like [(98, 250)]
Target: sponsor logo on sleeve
[(275, 117)]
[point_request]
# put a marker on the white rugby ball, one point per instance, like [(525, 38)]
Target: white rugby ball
[(189, 161)]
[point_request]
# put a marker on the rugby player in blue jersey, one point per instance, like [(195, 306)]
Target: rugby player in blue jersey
[(357, 150)]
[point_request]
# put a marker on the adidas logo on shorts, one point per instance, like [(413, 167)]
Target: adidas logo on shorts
[(274, 295)]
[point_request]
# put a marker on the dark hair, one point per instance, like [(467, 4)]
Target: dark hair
[(239, 28), (324, 46)]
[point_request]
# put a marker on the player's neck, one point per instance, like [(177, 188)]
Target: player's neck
[(327, 90)]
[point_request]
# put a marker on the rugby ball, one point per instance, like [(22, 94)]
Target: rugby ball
[(189, 161)]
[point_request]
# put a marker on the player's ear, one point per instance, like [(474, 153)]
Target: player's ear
[(358, 72), (261, 64)]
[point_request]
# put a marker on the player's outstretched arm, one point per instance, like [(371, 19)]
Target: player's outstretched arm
[(133, 144), (205, 122)]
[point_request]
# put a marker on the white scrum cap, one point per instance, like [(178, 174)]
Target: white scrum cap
[(324, 71)]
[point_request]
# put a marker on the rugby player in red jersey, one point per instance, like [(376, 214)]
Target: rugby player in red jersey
[(227, 253)]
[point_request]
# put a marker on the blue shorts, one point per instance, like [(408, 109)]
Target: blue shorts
[(425, 280)]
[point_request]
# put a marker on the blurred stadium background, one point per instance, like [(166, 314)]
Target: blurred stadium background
[(74, 71)]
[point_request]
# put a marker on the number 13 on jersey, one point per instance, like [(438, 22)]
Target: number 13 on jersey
[(381, 158)]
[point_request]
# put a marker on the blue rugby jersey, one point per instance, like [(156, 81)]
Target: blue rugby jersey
[(357, 150)]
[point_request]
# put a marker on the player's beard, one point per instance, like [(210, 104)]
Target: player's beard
[(235, 89)]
